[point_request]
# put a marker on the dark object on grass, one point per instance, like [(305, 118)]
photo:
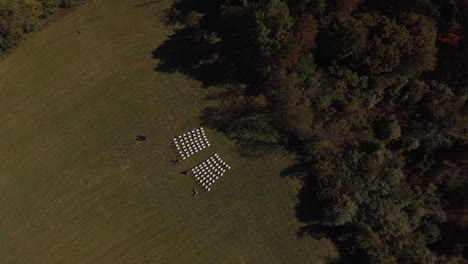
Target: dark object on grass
[(140, 138), (184, 172), (78, 31)]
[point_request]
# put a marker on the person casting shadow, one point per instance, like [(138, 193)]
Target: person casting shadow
[(140, 138)]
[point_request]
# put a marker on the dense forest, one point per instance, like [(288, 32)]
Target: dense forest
[(20, 17), (369, 95)]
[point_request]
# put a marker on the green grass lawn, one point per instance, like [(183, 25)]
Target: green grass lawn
[(75, 186)]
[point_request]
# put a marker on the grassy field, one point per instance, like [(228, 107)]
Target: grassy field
[(75, 186)]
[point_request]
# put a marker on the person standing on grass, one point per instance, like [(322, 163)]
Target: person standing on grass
[(194, 192)]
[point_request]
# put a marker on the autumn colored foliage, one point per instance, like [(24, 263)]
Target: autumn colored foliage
[(346, 7), (306, 31), (453, 36), (370, 105)]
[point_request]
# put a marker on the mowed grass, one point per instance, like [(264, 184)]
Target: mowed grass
[(75, 186)]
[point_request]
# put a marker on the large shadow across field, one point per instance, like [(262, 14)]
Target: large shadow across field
[(189, 52), (309, 212), (196, 53)]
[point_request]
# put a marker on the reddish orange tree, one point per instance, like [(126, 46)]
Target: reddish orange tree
[(453, 36), (346, 7), (306, 32)]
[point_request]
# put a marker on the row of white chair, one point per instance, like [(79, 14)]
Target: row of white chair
[(190, 143), (206, 182), (207, 172), (180, 143), (198, 130)]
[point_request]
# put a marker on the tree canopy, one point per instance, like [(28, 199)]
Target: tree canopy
[(371, 98), (20, 17)]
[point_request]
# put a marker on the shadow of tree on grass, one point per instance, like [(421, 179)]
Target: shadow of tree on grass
[(243, 119), (309, 211), (195, 53)]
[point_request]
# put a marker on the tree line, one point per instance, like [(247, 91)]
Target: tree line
[(20, 17), (370, 95)]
